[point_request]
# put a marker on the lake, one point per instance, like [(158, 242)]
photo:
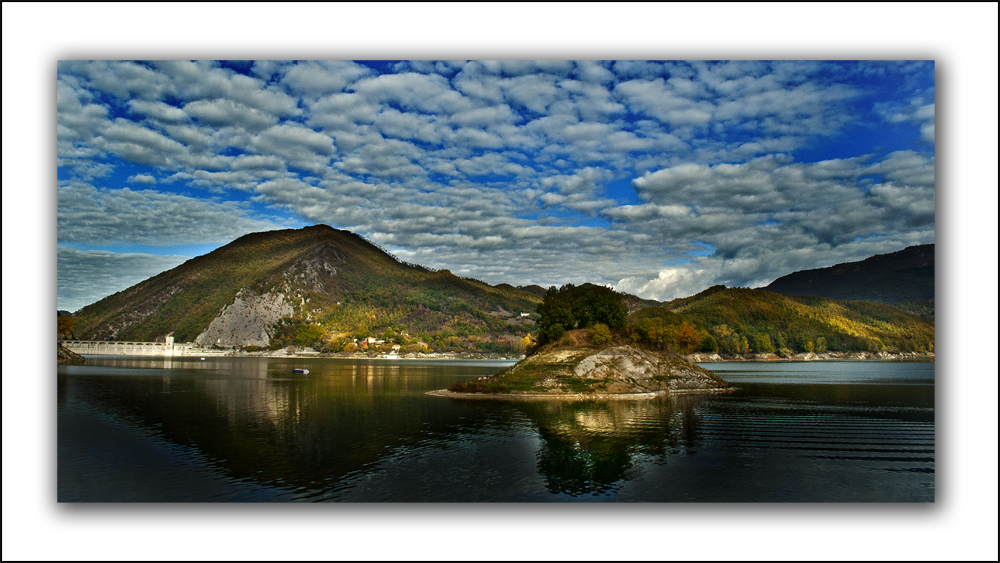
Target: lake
[(136, 429)]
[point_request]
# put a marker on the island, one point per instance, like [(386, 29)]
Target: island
[(594, 359), (576, 369)]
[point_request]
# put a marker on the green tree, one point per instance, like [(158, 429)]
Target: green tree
[(307, 334), (551, 333), (762, 343), (600, 334), (709, 344), (572, 307)]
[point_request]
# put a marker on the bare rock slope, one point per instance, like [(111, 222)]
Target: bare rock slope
[(247, 321)]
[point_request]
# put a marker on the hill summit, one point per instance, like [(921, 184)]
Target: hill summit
[(316, 286)]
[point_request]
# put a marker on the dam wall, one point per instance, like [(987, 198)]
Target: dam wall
[(161, 349)]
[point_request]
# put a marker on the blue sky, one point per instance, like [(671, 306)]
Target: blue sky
[(660, 178)]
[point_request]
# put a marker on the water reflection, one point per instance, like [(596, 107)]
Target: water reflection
[(366, 431), (257, 422)]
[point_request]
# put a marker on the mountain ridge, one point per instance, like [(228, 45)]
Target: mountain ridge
[(896, 277), (334, 291)]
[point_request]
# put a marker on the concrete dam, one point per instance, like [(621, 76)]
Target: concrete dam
[(160, 349)]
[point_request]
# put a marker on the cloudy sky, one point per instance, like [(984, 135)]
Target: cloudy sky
[(658, 178)]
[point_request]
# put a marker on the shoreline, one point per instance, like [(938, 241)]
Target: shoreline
[(297, 356), (810, 357), (697, 358), (575, 396)]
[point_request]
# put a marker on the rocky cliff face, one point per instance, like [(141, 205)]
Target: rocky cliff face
[(246, 321)]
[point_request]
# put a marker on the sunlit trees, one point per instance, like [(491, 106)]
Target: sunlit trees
[(600, 334), (64, 326), (688, 337), (307, 334)]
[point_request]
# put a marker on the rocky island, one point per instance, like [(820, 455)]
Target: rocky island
[(575, 368)]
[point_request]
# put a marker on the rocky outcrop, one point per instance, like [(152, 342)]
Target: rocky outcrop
[(626, 369), (576, 369), (312, 269), (247, 321), (67, 356)]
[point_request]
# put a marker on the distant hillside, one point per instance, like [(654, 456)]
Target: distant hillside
[(316, 286), (741, 321), (904, 278)]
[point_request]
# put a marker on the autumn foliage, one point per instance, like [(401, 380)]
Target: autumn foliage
[(741, 321)]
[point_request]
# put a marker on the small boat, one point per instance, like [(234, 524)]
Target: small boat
[(300, 370)]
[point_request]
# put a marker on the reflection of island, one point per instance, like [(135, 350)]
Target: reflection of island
[(258, 424), (591, 447)]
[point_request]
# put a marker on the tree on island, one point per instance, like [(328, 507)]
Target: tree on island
[(584, 306)]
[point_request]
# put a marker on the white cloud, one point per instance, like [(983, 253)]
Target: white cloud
[(420, 92), (920, 110), (89, 215), (87, 276), (157, 110), (669, 283), (298, 146), (142, 179), (223, 113), (659, 99), (319, 78)]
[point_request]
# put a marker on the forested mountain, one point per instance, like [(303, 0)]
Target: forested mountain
[(324, 288), (741, 321), (315, 286), (904, 279)]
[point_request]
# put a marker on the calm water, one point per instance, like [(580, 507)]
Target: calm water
[(248, 429)]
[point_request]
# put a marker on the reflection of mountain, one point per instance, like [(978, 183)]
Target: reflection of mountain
[(301, 434), (591, 447)]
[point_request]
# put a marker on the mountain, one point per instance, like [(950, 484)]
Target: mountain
[(316, 286), (740, 321), (904, 278)]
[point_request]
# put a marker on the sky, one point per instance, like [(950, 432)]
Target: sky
[(658, 178)]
